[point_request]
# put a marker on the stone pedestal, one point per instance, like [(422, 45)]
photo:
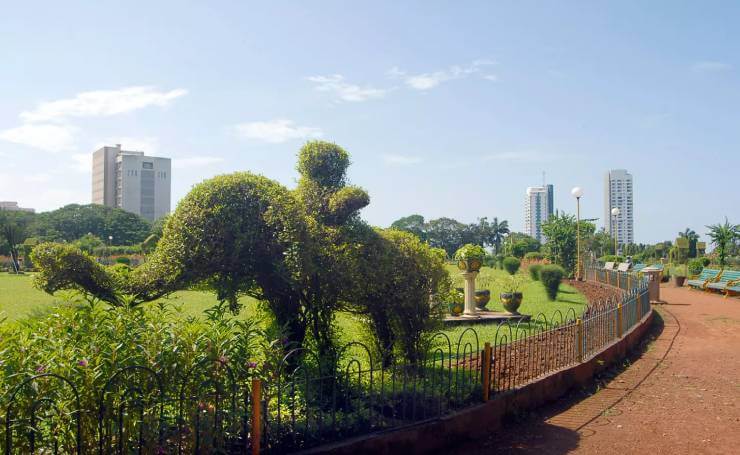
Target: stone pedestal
[(470, 310)]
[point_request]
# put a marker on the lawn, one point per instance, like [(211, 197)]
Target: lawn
[(19, 299)]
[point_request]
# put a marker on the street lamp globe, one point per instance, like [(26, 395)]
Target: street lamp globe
[(615, 211), (577, 192)]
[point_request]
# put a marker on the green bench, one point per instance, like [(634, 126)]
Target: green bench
[(705, 277), (728, 281), (639, 266)]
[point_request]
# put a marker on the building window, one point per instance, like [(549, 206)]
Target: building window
[(146, 165)]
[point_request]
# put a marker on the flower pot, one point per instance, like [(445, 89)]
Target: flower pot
[(678, 280), (456, 308), (511, 301), (482, 298), (469, 265)]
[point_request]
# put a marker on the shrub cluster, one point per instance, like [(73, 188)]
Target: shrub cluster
[(511, 265), (534, 256), (534, 271), (551, 276)]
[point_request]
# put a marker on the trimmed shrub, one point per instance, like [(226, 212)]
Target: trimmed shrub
[(534, 256), (695, 266), (534, 271), (551, 276), (705, 261), (511, 265), (611, 258), (123, 260)]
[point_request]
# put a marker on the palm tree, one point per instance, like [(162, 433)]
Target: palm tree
[(723, 236), (693, 237), (498, 231)]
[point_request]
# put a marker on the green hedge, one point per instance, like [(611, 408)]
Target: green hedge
[(534, 271), (511, 265), (551, 276)]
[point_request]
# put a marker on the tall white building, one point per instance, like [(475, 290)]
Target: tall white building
[(537, 209), (131, 181), (618, 192)]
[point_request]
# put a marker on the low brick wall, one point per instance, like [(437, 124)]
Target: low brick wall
[(434, 435)]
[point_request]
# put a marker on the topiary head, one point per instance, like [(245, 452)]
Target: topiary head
[(511, 265), (324, 163)]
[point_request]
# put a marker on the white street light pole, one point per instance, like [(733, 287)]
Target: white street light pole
[(615, 214), (577, 193)]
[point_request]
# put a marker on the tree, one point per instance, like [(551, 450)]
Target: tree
[(693, 237), (413, 224), (498, 231), (73, 221), (560, 231), (518, 244), (445, 233), (723, 236), (13, 232)]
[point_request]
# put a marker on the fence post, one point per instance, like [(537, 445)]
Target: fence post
[(579, 339), (486, 365), (619, 321), (628, 281), (256, 434)]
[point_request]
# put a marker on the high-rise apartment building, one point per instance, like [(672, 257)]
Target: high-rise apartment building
[(539, 205), (618, 193), (131, 181)]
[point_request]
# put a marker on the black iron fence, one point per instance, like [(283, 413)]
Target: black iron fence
[(212, 408)]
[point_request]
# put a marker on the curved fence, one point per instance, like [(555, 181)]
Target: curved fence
[(214, 408)]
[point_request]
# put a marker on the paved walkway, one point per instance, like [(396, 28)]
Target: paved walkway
[(680, 395)]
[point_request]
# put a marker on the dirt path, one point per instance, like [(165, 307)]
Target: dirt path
[(679, 395)]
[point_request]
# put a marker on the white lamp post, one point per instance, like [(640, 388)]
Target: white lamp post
[(615, 214), (577, 192)]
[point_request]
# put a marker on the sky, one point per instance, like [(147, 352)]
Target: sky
[(447, 108)]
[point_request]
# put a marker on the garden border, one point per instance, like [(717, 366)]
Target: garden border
[(479, 420)]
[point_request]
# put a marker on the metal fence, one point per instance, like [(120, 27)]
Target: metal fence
[(214, 409)]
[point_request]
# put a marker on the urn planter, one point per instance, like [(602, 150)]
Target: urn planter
[(456, 308), (482, 298), (469, 265), (678, 280), (511, 301)]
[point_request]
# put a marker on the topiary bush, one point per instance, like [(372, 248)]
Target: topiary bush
[(511, 265), (611, 258), (534, 271), (705, 261), (551, 276)]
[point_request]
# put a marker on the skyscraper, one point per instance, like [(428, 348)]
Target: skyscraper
[(618, 193), (537, 209), (131, 181)]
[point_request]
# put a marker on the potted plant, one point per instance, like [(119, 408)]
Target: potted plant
[(470, 257), (483, 293), (511, 298), (457, 302), (679, 278)]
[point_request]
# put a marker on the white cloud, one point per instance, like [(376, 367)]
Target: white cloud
[(401, 160), (426, 81), (344, 91), (276, 131), (50, 138), (196, 161), (101, 103), (491, 77), (710, 67)]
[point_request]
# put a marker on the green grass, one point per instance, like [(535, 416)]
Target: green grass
[(19, 299)]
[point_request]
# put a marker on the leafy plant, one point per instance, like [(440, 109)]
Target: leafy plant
[(723, 237), (534, 256), (469, 252), (695, 266), (511, 284), (511, 265), (534, 271), (551, 276)]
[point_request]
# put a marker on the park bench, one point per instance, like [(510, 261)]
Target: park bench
[(705, 277), (639, 266), (609, 266), (728, 281), (623, 267)]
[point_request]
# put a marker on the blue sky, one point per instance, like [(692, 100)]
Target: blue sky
[(447, 108)]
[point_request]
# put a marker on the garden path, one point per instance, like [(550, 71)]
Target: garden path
[(679, 395)]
